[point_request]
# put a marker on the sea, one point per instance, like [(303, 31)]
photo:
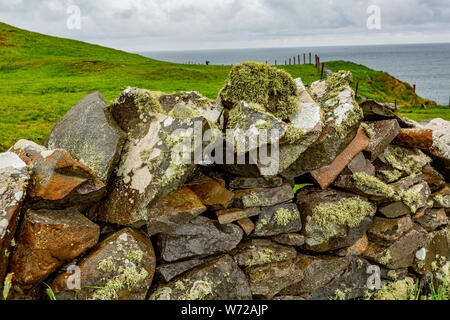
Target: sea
[(425, 65)]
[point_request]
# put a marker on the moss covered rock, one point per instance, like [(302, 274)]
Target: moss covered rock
[(270, 87)]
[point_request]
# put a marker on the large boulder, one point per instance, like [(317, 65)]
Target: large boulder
[(14, 178), (342, 117), (218, 279), (46, 240), (121, 267), (58, 180), (91, 135), (333, 219), (200, 237)]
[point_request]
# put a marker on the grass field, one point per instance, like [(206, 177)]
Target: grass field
[(42, 77)]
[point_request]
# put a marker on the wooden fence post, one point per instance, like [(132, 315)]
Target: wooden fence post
[(356, 90), (276, 62), (414, 96), (304, 58), (321, 74)]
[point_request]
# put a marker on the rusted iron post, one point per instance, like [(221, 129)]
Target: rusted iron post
[(310, 58), (298, 60), (304, 58), (321, 73), (414, 95), (356, 90)]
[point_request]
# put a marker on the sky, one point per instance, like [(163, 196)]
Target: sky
[(158, 25)]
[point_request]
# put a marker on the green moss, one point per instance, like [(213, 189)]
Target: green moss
[(272, 88), (401, 161), (399, 290), (284, 216), (368, 130), (392, 275), (372, 184), (107, 265), (349, 212), (293, 134), (180, 285), (386, 258), (412, 199), (391, 175)]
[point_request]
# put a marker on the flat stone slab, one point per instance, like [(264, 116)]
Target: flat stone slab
[(326, 175), (374, 110), (198, 238), (260, 182), (263, 197), (290, 239), (212, 194), (169, 271), (218, 279), (91, 135), (283, 218), (234, 214), (433, 219), (385, 231), (177, 208), (382, 134), (255, 252)]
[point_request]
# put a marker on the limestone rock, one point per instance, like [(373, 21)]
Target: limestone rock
[(121, 267), (263, 197), (58, 180), (14, 178), (177, 208), (46, 240), (326, 175), (400, 254), (383, 133), (341, 121), (332, 219), (256, 252), (91, 135), (200, 237), (219, 279), (283, 218)]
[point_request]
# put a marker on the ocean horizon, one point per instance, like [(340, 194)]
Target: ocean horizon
[(425, 65)]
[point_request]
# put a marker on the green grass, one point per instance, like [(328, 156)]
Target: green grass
[(42, 77)]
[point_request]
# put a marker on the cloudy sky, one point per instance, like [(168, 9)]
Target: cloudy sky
[(154, 25)]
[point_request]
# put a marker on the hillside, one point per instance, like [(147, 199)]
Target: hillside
[(44, 76)]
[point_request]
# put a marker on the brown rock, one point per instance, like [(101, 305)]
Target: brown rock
[(384, 231), (399, 254), (435, 255), (441, 198), (46, 240), (175, 209), (432, 177), (394, 210), (432, 219), (290, 239), (247, 225), (58, 180), (263, 197), (14, 178), (384, 132), (279, 219), (357, 249), (255, 252), (121, 267), (213, 195), (230, 215), (169, 271), (326, 175), (360, 164)]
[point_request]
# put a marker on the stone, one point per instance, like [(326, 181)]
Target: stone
[(269, 279), (357, 249), (169, 271), (325, 176), (416, 197), (366, 185), (290, 239), (330, 278), (441, 198), (400, 254), (177, 208), (260, 182), (332, 219), (58, 180), (342, 117), (219, 279), (283, 218), (394, 210), (394, 275), (385, 231), (374, 110), (14, 179), (384, 132), (247, 225), (433, 178), (409, 161), (256, 252), (433, 219), (121, 267), (360, 164), (303, 130), (153, 165), (46, 240), (230, 215), (91, 135), (437, 253), (213, 195), (263, 197), (200, 237)]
